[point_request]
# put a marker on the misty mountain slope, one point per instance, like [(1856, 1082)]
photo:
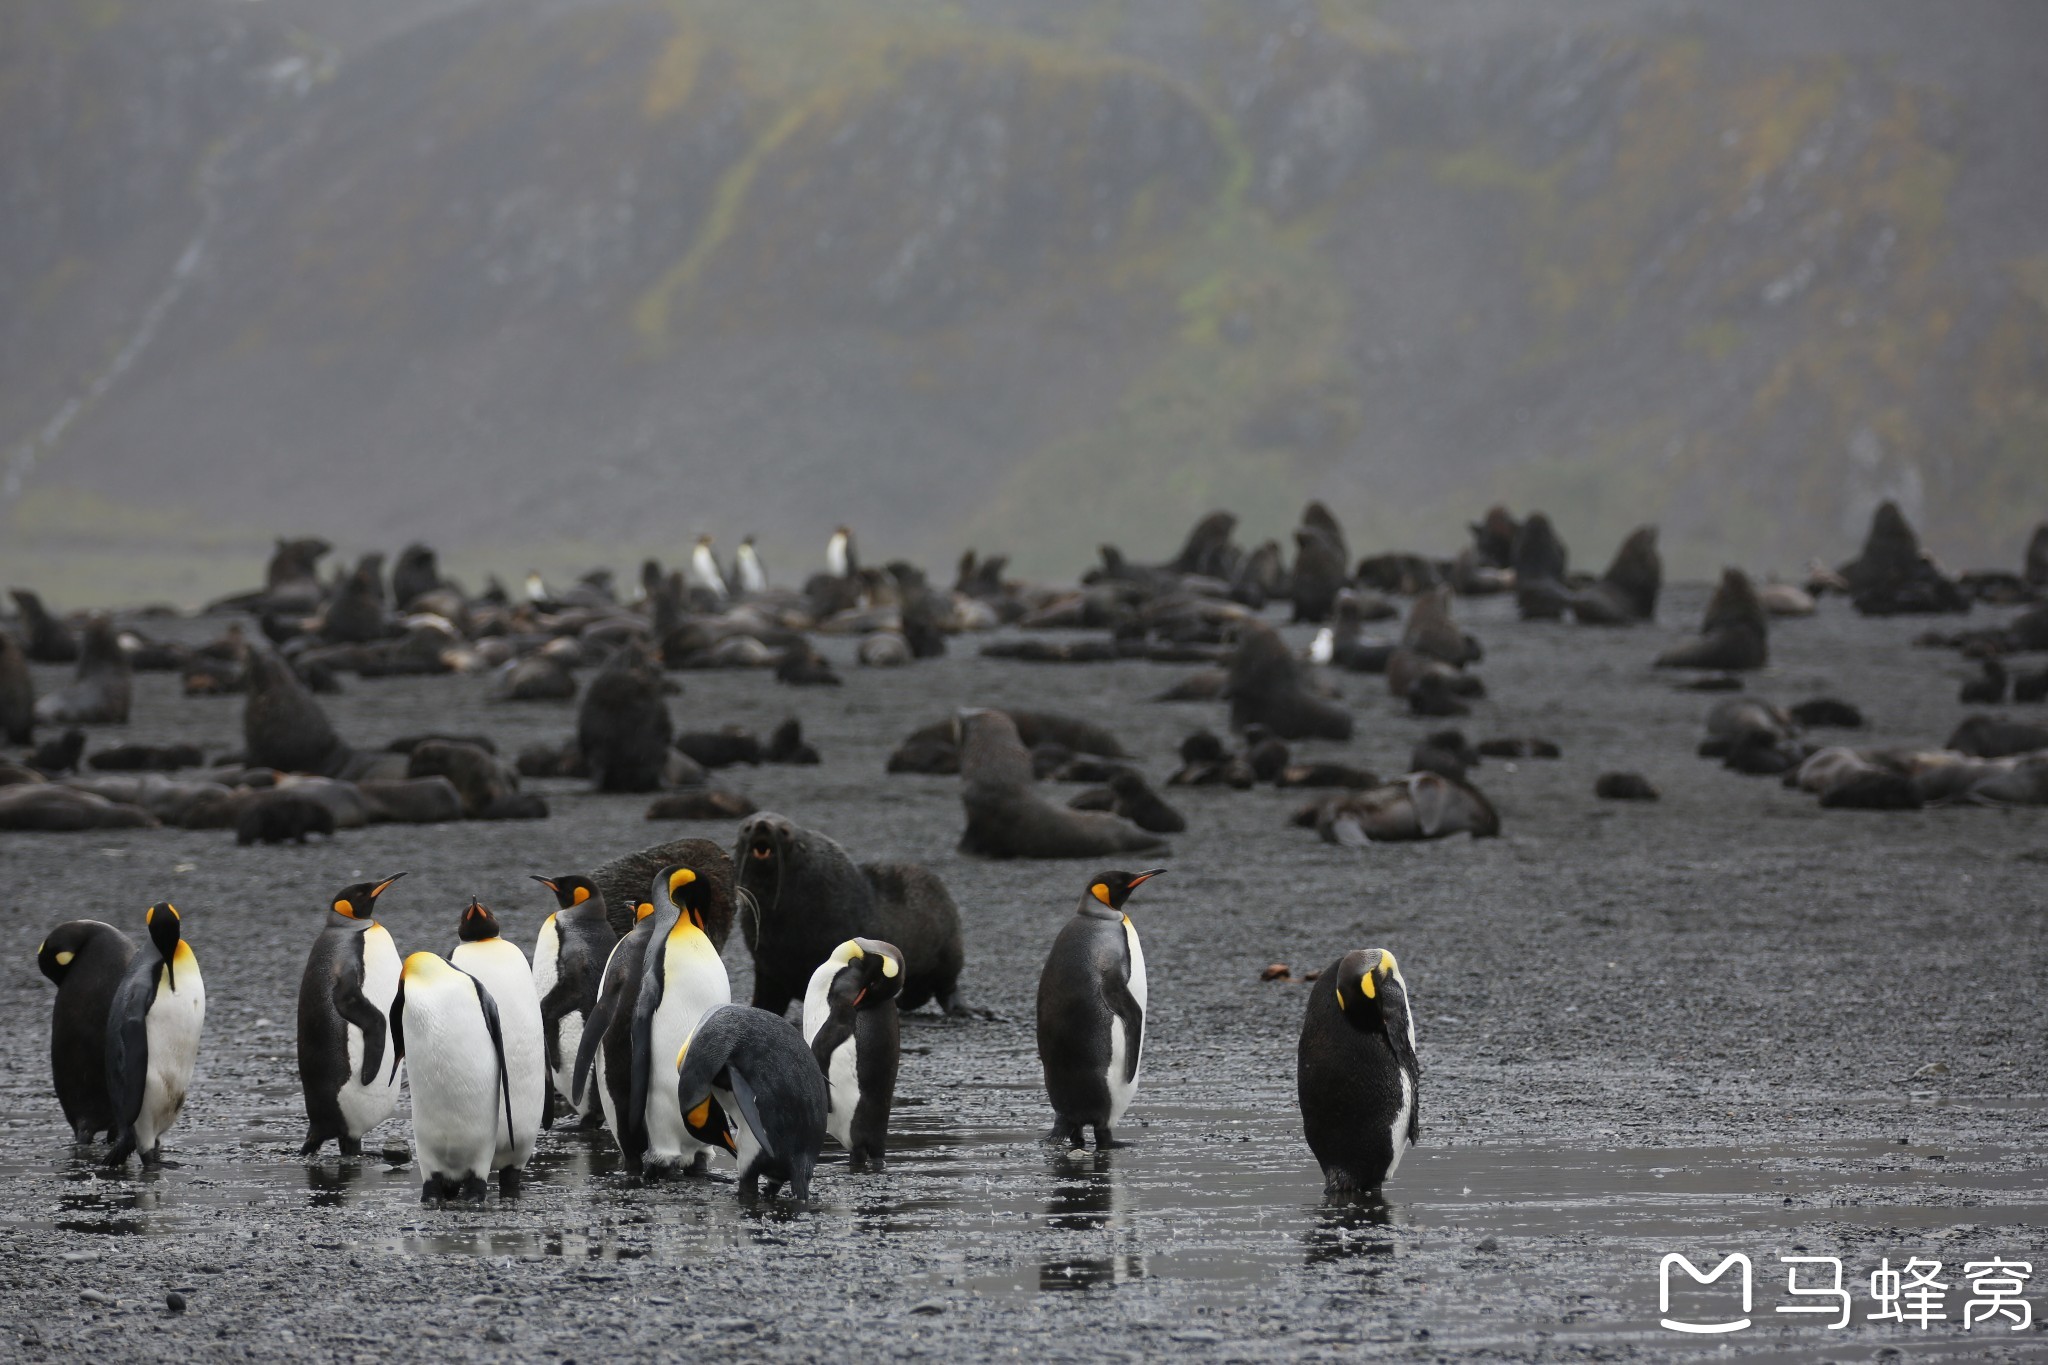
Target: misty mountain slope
[(550, 281)]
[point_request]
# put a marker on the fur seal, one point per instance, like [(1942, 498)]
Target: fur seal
[(1007, 819), (1627, 592), (540, 676), (810, 897), (623, 882), (700, 803), (277, 817), (1540, 561), (17, 693), (50, 808), (1321, 563), (1894, 576), (1418, 806), (283, 727), (104, 685), (1266, 688), (1129, 796), (489, 789), (1734, 635), (48, 640), (1624, 787), (624, 732)]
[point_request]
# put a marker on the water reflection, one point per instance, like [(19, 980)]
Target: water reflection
[(1088, 1196), (332, 1182), (106, 1208), (1349, 1229)]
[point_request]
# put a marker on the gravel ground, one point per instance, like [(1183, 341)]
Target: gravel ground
[(1726, 1022)]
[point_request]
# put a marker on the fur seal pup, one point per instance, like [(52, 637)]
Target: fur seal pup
[(1266, 688), (1356, 1072), (1418, 806), (1734, 635), (86, 959), (809, 897), (1624, 787), (623, 727), (1007, 819), (278, 817), (101, 691), (623, 881), (49, 640), (1131, 797), (17, 694), (1627, 592), (283, 727)]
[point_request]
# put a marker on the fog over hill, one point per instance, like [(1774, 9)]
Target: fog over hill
[(553, 283)]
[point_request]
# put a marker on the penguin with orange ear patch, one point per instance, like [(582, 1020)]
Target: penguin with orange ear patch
[(153, 1038), (1091, 1012), (568, 967), (348, 1067)]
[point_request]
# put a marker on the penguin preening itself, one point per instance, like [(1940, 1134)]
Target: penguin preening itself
[(87, 959), (445, 1023), (851, 1025), (682, 978), (1357, 1072), (1091, 1011), (568, 967), (348, 1067), (604, 1056), (500, 968), (153, 1038), (757, 1069)]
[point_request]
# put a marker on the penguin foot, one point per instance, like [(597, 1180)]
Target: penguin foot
[(474, 1190), (350, 1146), (434, 1190), (1103, 1141), (509, 1180), (312, 1145), (700, 1165), (591, 1121)]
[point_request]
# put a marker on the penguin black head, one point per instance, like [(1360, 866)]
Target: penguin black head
[(162, 919), (1114, 888), (707, 1122), (1373, 996), (360, 901), (687, 891), (870, 972), (569, 891), (56, 953), (478, 923)]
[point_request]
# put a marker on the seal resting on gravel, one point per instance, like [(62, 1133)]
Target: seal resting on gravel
[(623, 731), (50, 808), (1418, 806), (1007, 819), (279, 816), (283, 727), (1266, 688), (809, 897), (103, 687), (1734, 634)]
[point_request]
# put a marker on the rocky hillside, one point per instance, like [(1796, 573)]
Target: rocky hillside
[(554, 282)]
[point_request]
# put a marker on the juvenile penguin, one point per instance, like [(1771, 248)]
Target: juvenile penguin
[(348, 1066), (501, 969), (153, 1039), (568, 967), (445, 1024), (604, 1055), (87, 960), (682, 978), (1357, 1072), (757, 1069), (1091, 1011), (850, 1022)]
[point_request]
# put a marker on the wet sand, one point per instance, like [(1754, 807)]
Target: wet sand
[(1729, 1021)]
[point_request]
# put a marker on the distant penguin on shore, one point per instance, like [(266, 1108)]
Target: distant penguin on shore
[(748, 569)]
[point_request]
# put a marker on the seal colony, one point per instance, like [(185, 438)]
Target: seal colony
[(621, 1015)]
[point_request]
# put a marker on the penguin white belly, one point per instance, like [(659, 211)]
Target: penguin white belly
[(694, 982), (172, 1028), (455, 1103), (1121, 1089), (1400, 1128), (363, 1107), (502, 969), (842, 1077)]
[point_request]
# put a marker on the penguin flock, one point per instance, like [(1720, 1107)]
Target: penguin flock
[(639, 1033)]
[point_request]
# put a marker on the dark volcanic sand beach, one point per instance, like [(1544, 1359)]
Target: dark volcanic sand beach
[(1729, 1021)]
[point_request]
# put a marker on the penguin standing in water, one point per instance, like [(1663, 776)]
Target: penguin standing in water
[(568, 967), (153, 1039), (604, 1055), (1357, 1072), (850, 1022), (446, 1023), (1091, 1012), (87, 959), (348, 1067), (500, 968), (756, 1068), (683, 977)]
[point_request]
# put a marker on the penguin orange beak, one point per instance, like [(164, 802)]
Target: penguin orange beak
[(1144, 877), (549, 885), (379, 888)]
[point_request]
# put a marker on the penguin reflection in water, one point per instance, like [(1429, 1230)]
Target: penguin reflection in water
[(1358, 1074), (153, 1039), (1091, 1012)]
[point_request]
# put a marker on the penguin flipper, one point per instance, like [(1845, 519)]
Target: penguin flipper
[(565, 995), (635, 1117), (398, 1025), (750, 1109), (127, 1073), (594, 1029), (355, 1008), (497, 1032)]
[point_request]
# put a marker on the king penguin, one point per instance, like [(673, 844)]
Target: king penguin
[(501, 968), (704, 570), (851, 1025), (87, 960), (683, 977), (1091, 1012), (153, 1038), (604, 1055), (753, 1066), (748, 569), (445, 1024), (347, 1065), (1357, 1072), (840, 558), (568, 967)]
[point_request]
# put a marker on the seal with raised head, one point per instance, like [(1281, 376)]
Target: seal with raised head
[(1734, 635), (1266, 688), (17, 694), (104, 685), (283, 727), (1007, 819)]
